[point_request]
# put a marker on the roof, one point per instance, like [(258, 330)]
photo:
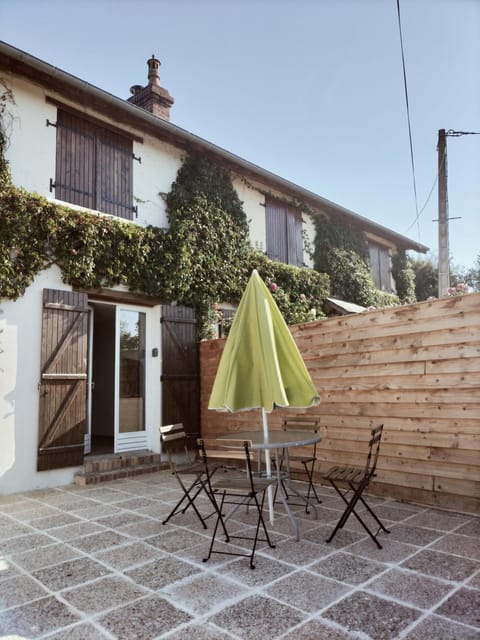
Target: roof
[(342, 307), (85, 94)]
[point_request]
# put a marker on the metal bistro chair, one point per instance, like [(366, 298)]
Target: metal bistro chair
[(301, 423), (184, 464), (356, 481), (234, 487)]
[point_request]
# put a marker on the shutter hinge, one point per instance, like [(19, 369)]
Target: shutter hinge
[(51, 124), (135, 211), (137, 158), (52, 185)]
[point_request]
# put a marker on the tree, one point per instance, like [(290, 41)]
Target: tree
[(426, 278)]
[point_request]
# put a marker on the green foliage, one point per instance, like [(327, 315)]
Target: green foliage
[(337, 234), (404, 276), (426, 278), (203, 258), (351, 280)]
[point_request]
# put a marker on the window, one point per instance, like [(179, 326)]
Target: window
[(93, 167), (380, 267), (283, 232)]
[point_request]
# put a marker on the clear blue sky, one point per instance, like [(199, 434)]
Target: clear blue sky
[(309, 89)]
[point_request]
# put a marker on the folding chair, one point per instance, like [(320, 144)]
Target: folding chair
[(183, 465), (234, 487), (301, 423), (357, 480)]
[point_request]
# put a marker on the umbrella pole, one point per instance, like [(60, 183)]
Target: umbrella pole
[(268, 466)]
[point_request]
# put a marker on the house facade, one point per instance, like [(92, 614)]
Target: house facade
[(82, 367)]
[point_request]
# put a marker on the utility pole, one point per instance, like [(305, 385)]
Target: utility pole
[(443, 248)]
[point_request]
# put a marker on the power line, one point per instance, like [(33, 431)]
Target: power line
[(408, 117)]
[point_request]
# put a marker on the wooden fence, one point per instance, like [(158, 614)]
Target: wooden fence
[(414, 368)]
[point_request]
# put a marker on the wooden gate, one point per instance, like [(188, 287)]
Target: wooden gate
[(180, 368)]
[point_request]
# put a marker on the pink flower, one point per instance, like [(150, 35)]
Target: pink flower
[(303, 296), (273, 287)]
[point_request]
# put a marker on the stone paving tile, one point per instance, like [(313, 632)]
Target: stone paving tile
[(201, 632), (437, 628), (18, 590), (143, 528), (24, 543), (120, 519), (391, 552), (307, 591), (471, 528), (437, 519), (35, 618), (80, 632), (378, 618), (316, 630), (7, 570), (160, 572), (77, 530), (103, 594), (442, 565), (12, 529), (53, 520), (301, 554), (203, 593), (96, 510), (71, 573), (343, 537), (411, 588), (183, 539), (266, 570), (144, 619), (462, 606), (466, 546), (99, 541), (346, 567), (128, 555), (257, 617), (44, 556), (393, 512), (418, 536), (475, 581)]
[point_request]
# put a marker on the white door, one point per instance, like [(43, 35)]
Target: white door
[(130, 379)]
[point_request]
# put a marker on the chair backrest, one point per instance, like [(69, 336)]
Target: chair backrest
[(301, 423), (225, 449), (173, 437), (373, 451)]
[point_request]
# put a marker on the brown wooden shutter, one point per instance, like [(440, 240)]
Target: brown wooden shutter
[(275, 230), (63, 382), (75, 164), (115, 175)]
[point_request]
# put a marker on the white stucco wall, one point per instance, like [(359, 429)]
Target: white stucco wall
[(20, 326), (20, 343)]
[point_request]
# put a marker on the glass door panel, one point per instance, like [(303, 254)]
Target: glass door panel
[(131, 371)]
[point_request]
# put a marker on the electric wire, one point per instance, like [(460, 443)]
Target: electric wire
[(408, 118)]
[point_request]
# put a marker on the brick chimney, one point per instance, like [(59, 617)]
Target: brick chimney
[(153, 97)]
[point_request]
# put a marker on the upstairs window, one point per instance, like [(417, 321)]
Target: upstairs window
[(283, 232), (93, 166), (380, 267)]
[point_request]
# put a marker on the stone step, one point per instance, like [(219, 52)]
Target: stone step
[(105, 468), (114, 461)]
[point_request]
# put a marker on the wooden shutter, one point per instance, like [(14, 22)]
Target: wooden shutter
[(180, 368), (75, 164), (275, 230), (63, 381), (115, 175), (294, 237)]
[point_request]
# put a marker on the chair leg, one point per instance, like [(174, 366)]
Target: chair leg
[(186, 496), (351, 504), (311, 486)]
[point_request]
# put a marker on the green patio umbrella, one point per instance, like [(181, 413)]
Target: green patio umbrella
[(261, 366)]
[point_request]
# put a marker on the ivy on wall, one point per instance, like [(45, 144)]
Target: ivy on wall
[(203, 258)]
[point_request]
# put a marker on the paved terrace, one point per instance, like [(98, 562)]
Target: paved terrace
[(96, 562)]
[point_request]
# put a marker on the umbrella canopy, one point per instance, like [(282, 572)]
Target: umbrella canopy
[(261, 366)]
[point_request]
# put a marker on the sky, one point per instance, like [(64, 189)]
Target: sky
[(311, 90)]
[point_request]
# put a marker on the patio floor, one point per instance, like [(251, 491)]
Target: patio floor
[(96, 562)]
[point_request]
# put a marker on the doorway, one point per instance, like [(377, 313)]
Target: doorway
[(117, 379)]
